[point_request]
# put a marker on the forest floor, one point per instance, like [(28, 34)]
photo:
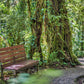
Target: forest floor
[(52, 76), (71, 74)]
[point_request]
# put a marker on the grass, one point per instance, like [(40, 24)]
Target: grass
[(42, 77)]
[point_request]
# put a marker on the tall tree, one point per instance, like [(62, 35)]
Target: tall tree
[(36, 27), (62, 34)]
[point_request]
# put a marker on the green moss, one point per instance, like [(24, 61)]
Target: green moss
[(1, 82), (44, 76)]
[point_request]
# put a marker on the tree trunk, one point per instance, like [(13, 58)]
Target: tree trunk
[(62, 34), (36, 28)]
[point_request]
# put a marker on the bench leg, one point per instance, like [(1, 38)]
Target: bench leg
[(2, 75), (37, 67), (15, 73)]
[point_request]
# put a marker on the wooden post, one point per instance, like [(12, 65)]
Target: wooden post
[(37, 67), (15, 73), (2, 75)]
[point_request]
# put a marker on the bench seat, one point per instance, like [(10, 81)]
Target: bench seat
[(21, 65)]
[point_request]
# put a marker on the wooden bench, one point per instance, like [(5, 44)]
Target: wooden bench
[(14, 58)]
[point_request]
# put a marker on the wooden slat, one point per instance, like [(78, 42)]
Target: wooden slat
[(20, 60), (15, 54), (7, 60), (12, 51), (8, 64), (8, 48), (20, 56)]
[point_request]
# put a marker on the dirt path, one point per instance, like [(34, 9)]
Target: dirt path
[(70, 74)]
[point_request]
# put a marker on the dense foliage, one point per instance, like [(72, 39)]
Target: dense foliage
[(32, 23), (76, 14), (43, 77)]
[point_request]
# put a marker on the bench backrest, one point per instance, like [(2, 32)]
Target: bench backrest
[(11, 55)]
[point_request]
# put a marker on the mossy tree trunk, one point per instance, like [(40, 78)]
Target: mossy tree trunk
[(36, 28), (58, 32), (62, 44)]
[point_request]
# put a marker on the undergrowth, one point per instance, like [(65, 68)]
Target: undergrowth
[(42, 77)]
